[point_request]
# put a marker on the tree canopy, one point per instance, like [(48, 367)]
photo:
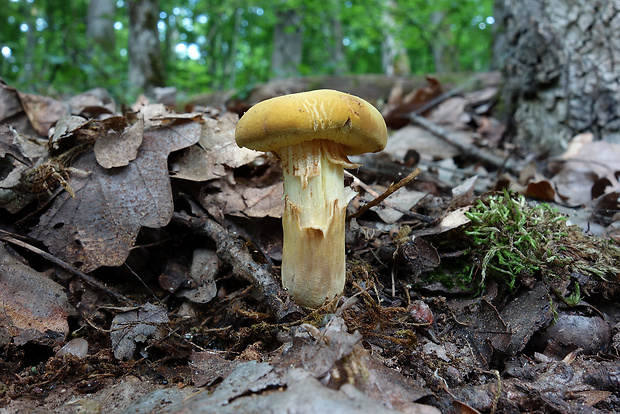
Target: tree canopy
[(223, 44)]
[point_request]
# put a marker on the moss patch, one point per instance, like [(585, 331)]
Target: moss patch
[(513, 242)]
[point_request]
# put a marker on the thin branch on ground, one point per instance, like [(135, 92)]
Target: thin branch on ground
[(373, 193), (8, 237), (445, 96), (234, 252), (481, 154), (391, 189)]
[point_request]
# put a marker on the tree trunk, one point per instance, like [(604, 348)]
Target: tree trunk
[(445, 57), (29, 69), (394, 56), (100, 24), (146, 65), (560, 62), (340, 61), (333, 36), (287, 44), (230, 68)]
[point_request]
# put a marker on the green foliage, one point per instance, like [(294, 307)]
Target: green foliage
[(223, 44), (461, 28), (49, 50), (574, 297), (511, 237)]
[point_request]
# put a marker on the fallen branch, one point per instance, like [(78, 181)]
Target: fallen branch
[(86, 278), (478, 153), (233, 251)]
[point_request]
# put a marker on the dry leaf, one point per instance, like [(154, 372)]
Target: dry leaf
[(208, 366), (592, 397), (331, 355), (137, 325), (541, 190), (99, 226), (241, 200), (22, 154), (116, 147), (94, 102), (403, 199), (64, 129), (452, 220), (9, 102), (463, 194), (43, 112), (12, 112), (428, 145), (215, 151), (264, 202), (398, 107), (31, 305), (204, 269), (584, 164)]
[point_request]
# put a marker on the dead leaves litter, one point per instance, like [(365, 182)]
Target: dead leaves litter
[(32, 306), (99, 226)]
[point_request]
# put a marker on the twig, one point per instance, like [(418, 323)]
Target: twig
[(88, 279), (373, 193), (233, 251), (444, 96), (485, 156), (391, 189)]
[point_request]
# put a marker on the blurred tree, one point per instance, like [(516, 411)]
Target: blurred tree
[(287, 43), (444, 56), (100, 24), (146, 65), (28, 25), (223, 44), (393, 52), (332, 32)]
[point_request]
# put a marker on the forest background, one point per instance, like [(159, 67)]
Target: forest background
[(61, 47)]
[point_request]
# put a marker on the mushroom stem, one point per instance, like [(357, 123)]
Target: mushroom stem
[(313, 254)]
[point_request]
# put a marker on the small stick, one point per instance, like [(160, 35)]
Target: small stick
[(486, 157), (88, 279), (391, 189), (233, 251), (373, 193)]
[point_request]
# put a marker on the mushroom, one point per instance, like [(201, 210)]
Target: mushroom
[(313, 133)]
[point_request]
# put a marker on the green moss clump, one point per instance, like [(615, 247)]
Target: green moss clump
[(512, 241)]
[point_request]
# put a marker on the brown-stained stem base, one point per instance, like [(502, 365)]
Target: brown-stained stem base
[(233, 251)]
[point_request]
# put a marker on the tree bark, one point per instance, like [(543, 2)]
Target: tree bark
[(333, 36), (287, 44), (230, 68), (560, 61), (394, 56), (340, 61), (100, 23), (146, 65), (445, 57)]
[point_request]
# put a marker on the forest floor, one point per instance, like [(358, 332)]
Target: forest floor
[(139, 264)]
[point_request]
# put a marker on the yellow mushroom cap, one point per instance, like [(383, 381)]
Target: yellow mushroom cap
[(322, 114)]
